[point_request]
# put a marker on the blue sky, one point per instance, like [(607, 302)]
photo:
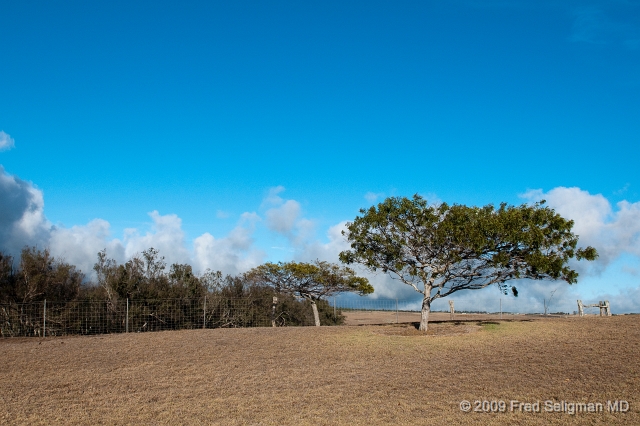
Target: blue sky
[(204, 112)]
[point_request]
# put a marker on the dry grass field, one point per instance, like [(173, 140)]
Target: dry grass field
[(390, 317), (389, 374)]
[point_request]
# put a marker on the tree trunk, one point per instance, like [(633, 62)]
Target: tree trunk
[(316, 317), (426, 308)]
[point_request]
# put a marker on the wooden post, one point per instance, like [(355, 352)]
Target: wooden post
[(603, 305), (204, 314), (501, 308), (273, 311), (605, 308), (44, 319), (452, 311), (126, 327)]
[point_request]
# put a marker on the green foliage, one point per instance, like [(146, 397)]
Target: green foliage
[(38, 276), (450, 248), (145, 277), (290, 310), (311, 281)]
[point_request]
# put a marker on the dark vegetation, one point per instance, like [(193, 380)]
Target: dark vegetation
[(140, 295)]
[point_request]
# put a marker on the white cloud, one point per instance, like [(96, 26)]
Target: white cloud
[(283, 219), (611, 232), (272, 198), (614, 231), (622, 190), (231, 254), (23, 223), (166, 236), (79, 245), (327, 251), (22, 220), (372, 197), (6, 141)]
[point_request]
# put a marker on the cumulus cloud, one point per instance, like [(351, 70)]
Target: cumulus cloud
[(23, 223), (166, 236), (285, 218), (612, 232), (22, 220), (327, 251), (6, 141), (272, 197), (231, 254), (80, 244)]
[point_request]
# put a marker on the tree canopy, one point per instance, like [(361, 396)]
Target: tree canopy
[(441, 249), (311, 281), (38, 276)]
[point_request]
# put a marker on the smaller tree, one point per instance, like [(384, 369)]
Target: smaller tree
[(311, 281)]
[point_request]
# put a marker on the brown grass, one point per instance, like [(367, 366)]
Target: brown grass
[(390, 317), (328, 375)]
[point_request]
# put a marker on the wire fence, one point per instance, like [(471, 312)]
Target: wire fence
[(465, 305), (90, 317), (101, 317)]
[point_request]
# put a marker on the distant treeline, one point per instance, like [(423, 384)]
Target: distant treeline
[(37, 276)]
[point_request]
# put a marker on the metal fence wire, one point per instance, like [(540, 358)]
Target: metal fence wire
[(88, 317)]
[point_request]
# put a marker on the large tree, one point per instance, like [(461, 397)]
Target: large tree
[(310, 281), (441, 249)]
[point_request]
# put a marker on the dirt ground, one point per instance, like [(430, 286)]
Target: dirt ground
[(389, 374)]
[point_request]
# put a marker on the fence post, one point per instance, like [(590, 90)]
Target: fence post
[(204, 314), (501, 308), (44, 319), (126, 327), (335, 317), (273, 311)]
